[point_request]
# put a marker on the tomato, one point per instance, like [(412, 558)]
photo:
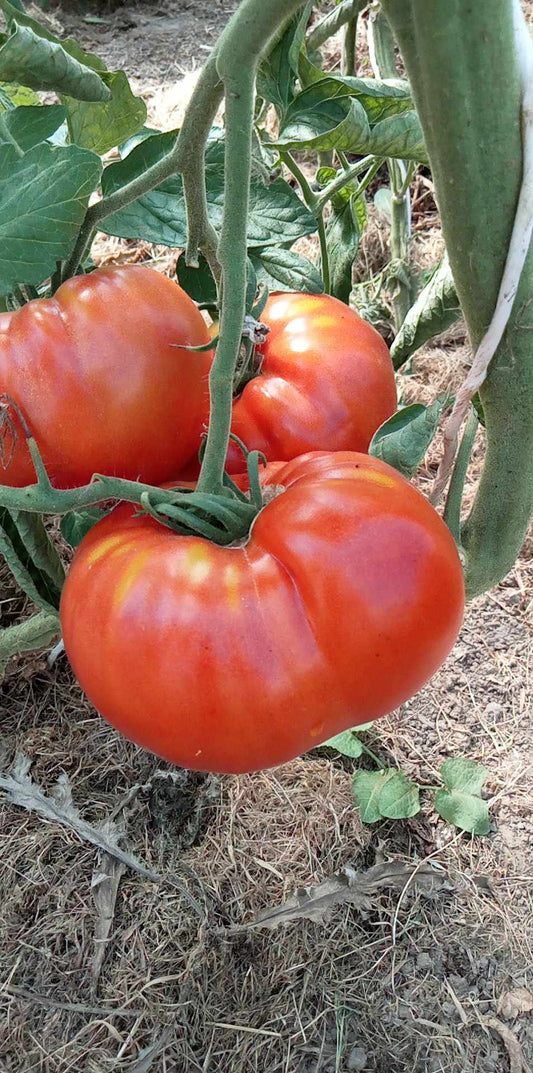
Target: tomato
[(100, 380), (345, 599), (326, 381)]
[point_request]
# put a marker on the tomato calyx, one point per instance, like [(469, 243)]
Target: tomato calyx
[(224, 518)]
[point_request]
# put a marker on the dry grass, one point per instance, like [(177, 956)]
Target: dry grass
[(403, 988)]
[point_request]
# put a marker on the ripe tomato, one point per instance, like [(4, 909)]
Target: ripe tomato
[(345, 599), (103, 387), (326, 381)]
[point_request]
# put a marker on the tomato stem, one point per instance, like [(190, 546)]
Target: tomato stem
[(246, 36)]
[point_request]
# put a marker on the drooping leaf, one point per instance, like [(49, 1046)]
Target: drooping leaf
[(276, 212), (29, 125), (43, 200), (38, 546), (278, 71), (343, 235), (344, 113), (465, 811), (284, 270), (32, 60), (403, 440), (436, 308), (399, 798), (102, 126), (34, 582), (198, 282), (76, 524)]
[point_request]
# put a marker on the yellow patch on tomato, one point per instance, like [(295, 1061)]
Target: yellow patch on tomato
[(104, 547), (129, 577), (198, 564), (231, 578)]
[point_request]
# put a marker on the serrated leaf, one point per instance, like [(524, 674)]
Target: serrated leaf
[(283, 270), (34, 633), (346, 743), (276, 213), (32, 60), (102, 126), (403, 440), (465, 775), (43, 200), (29, 125), (465, 811), (435, 309), (399, 798), (76, 524)]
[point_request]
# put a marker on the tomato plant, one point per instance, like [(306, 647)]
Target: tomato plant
[(102, 381), (343, 601)]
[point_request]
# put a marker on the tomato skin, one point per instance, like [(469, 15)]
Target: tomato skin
[(346, 598), (101, 386), (326, 381)]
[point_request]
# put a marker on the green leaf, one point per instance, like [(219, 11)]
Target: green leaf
[(32, 60), (465, 811), (465, 775), (101, 126), (278, 71), (43, 200), (276, 213), (12, 94), (76, 524), (367, 788), (343, 235), (399, 798), (346, 743), (39, 547), (283, 270), (35, 582), (36, 632), (28, 126), (436, 308), (357, 115), (198, 282), (403, 440)]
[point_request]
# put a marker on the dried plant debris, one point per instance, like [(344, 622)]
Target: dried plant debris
[(358, 889)]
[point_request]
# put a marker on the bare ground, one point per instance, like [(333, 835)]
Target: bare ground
[(421, 980)]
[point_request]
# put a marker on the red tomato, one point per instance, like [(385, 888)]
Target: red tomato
[(345, 599), (100, 381), (326, 381)]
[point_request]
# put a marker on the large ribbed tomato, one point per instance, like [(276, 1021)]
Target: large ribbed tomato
[(344, 600), (100, 380), (325, 383)]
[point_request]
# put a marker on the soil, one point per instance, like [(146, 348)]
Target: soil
[(421, 979)]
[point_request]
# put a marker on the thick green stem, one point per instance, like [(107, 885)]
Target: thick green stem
[(452, 510), (463, 65), (383, 60), (349, 41), (187, 158), (347, 11), (245, 38)]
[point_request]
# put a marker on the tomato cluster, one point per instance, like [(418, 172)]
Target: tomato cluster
[(345, 596)]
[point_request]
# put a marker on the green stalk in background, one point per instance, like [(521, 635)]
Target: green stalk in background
[(464, 64)]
